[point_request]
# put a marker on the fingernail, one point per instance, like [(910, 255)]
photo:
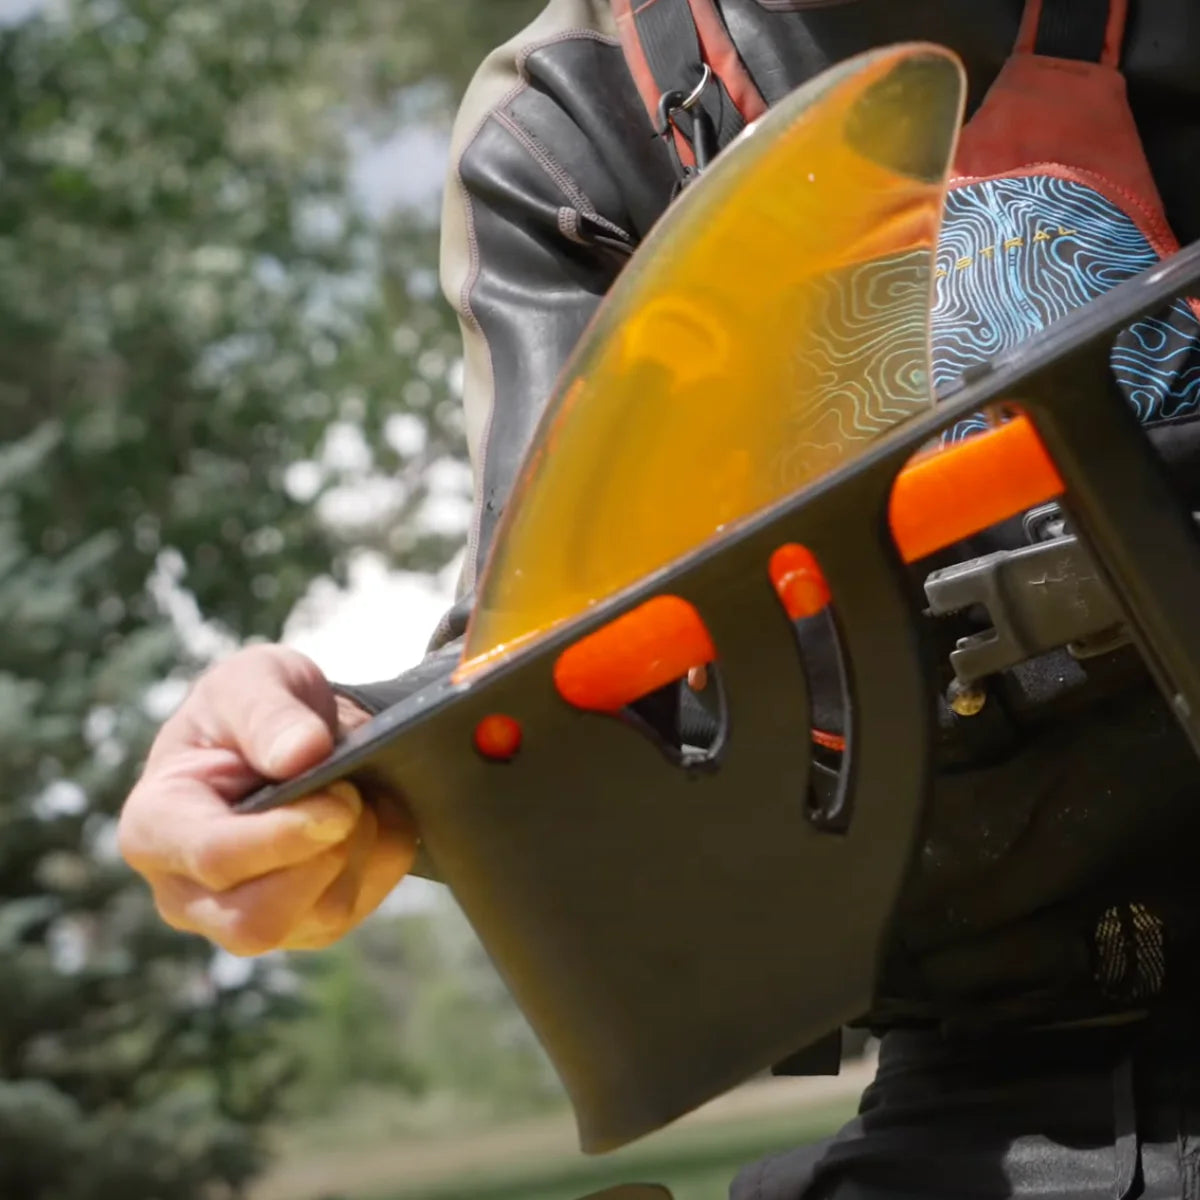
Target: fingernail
[(345, 791), (331, 817), (294, 744)]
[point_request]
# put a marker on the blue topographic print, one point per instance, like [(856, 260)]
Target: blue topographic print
[(1016, 254)]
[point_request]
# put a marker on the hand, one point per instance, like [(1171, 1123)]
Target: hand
[(297, 877)]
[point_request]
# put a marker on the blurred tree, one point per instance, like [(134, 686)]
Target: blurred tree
[(201, 343), (409, 1003), (351, 1036), (463, 1030)]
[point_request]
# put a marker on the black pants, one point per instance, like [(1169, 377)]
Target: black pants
[(1108, 1114)]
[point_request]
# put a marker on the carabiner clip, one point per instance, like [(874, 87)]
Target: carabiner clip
[(703, 139)]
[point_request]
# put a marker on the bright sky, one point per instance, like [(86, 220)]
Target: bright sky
[(376, 628), (14, 10)]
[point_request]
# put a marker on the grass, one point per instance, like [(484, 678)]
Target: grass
[(697, 1165), (539, 1159)]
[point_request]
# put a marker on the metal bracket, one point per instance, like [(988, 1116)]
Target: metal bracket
[(1039, 598)]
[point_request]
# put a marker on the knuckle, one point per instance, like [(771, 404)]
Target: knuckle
[(170, 906), (250, 932), (237, 925), (253, 695), (245, 666), (173, 917), (279, 662), (209, 697), (208, 863), (137, 845)]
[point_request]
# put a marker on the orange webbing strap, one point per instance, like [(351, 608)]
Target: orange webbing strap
[(1027, 34), (1114, 35), (639, 65), (938, 499), (721, 54), (635, 18)]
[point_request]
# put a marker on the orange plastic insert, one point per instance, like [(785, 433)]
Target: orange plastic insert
[(942, 498), (798, 580), (655, 644)]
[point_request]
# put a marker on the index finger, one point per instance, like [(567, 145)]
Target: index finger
[(177, 825)]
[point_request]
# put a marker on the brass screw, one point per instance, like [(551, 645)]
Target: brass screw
[(967, 700)]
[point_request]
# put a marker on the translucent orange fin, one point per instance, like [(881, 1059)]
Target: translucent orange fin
[(773, 324)]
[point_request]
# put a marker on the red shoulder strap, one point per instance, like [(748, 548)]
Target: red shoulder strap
[(721, 54), (635, 56), (1059, 106), (665, 43)]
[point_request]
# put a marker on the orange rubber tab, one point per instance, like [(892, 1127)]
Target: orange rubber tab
[(498, 737), (942, 498), (657, 643), (798, 581)]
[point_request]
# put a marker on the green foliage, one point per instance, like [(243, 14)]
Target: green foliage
[(410, 1004), (463, 1030), (192, 311), (186, 295), (350, 1036)]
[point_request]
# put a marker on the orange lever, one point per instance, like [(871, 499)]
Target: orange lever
[(645, 649), (944, 497)]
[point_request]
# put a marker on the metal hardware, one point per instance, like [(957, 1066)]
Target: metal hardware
[(1038, 598)]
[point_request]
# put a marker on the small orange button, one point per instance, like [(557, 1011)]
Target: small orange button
[(498, 737)]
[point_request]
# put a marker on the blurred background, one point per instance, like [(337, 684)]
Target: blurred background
[(229, 411)]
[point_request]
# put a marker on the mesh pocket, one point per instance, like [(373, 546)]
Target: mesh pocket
[(1130, 954)]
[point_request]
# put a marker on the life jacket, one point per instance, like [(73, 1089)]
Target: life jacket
[(1051, 203)]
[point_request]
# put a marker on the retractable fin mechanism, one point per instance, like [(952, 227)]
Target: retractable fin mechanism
[(745, 438)]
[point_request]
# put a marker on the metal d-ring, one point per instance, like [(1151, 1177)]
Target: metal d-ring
[(693, 97), (669, 103)]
